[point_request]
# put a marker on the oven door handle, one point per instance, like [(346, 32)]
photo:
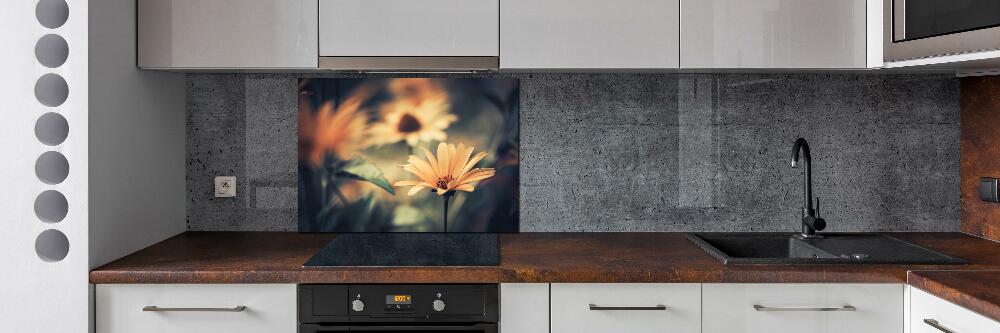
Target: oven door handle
[(486, 328), (482, 327)]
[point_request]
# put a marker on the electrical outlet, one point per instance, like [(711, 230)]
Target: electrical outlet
[(988, 189), (225, 187)]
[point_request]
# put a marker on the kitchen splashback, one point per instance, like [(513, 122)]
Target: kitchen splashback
[(639, 152), (408, 155)]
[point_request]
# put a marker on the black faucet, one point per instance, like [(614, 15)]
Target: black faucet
[(810, 221)]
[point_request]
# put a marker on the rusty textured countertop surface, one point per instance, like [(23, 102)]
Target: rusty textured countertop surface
[(270, 257), (978, 291)]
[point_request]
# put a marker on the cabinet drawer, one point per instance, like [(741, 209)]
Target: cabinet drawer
[(620, 307), (817, 308), (269, 308), (946, 315)]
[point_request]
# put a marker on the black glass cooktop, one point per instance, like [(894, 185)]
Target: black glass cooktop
[(409, 249)]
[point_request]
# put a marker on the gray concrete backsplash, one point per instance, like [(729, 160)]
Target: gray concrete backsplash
[(639, 152)]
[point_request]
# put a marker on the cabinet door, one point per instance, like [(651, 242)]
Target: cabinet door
[(929, 314), (773, 34), (524, 308), (816, 308), (269, 308), (407, 28), (227, 33), (571, 34), (626, 307)]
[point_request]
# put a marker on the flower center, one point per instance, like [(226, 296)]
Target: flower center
[(442, 182), (409, 124)]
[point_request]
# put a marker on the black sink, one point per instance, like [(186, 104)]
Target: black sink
[(786, 248)]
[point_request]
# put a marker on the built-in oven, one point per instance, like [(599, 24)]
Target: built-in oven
[(928, 28), (386, 308)]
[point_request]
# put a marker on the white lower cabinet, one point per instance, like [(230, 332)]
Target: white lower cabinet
[(625, 307), (570, 308), (196, 308), (816, 308), (930, 314), (524, 307)]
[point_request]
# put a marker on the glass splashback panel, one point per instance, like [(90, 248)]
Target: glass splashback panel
[(408, 155)]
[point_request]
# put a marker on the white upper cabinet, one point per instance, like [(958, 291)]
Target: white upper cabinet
[(589, 34), (408, 28), (227, 33), (776, 34)]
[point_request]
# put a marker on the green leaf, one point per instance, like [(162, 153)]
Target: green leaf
[(360, 169)]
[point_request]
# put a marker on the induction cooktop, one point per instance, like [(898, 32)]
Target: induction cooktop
[(409, 249)]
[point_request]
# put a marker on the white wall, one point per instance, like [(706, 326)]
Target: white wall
[(124, 187), (38, 295), (137, 189)]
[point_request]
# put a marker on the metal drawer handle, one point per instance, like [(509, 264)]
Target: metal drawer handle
[(848, 307), (154, 308), (660, 307), (935, 324)]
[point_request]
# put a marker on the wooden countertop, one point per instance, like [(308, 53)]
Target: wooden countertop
[(978, 291), (269, 257)]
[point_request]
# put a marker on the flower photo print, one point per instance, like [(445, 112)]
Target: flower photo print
[(408, 155)]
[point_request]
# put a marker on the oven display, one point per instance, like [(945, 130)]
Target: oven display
[(396, 303), (398, 299)]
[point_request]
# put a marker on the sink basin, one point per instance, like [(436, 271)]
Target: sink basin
[(785, 248)]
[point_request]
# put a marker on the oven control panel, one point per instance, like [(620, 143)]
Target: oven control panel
[(399, 303)]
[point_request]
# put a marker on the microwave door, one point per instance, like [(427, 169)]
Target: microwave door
[(916, 29), (916, 19)]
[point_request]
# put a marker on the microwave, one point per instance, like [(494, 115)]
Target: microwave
[(915, 29)]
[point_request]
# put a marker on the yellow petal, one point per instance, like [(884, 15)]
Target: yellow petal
[(466, 187), (432, 161), (458, 160), (443, 160), (433, 135), (452, 158), (408, 183), (420, 174), (472, 163), (463, 159), (443, 122), (415, 189), (477, 174), (426, 172)]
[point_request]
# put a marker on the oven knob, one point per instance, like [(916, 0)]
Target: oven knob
[(438, 305), (358, 305)]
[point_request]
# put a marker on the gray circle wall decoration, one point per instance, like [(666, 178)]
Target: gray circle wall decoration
[(52, 245), (52, 13), (52, 167), (51, 51), (51, 129), (51, 206), (51, 90)]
